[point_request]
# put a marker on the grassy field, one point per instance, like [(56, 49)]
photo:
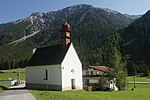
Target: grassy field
[(137, 94), (3, 87), (13, 70), (141, 92), (138, 79), (5, 74)]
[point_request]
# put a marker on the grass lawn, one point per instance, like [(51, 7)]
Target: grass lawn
[(5, 74), (141, 92), (3, 87), (138, 79), (13, 70)]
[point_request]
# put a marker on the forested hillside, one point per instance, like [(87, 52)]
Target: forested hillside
[(136, 44), (96, 35)]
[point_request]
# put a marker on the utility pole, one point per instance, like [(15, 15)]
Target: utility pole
[(134, 81), (16, 64), (2, 61), (18, 75), (18, 70), (134, 74)]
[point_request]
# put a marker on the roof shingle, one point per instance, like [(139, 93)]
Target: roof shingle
[(48, 55), (102, 68)]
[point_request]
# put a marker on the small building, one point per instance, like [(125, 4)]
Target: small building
[(96, 70), (56, 67), (99, 77)]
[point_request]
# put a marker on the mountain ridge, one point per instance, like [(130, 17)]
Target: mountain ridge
[(43, 20), (136, 44), (96, 35)]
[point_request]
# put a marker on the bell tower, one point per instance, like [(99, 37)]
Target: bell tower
[(65, 33)]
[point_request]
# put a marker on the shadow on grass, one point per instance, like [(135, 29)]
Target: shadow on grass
[(3, 87)]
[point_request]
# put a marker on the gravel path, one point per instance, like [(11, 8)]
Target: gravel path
[(16, 93)]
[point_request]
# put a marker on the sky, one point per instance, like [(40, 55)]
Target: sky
[(11, 10)]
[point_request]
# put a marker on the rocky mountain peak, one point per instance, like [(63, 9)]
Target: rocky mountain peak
[(39, 14)]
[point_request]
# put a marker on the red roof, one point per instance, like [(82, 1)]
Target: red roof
[(101, 68)]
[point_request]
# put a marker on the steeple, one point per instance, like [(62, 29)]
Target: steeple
[(65, 32)]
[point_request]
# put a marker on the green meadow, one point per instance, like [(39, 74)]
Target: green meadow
[(138, 79), (141, 92), (3, 87), (5, 74)]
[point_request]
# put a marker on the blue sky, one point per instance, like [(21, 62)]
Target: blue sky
[(11, 10)]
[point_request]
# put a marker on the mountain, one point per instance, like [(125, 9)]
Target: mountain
[(95, 34), (136, 43), (133, 16), (40, 21)]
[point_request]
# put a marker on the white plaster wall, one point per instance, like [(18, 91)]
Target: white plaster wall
[(36, 74), (71, 61)]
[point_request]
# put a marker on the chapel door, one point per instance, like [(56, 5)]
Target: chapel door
[(73, 83)]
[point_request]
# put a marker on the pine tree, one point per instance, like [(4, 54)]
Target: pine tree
[(119, 69)]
